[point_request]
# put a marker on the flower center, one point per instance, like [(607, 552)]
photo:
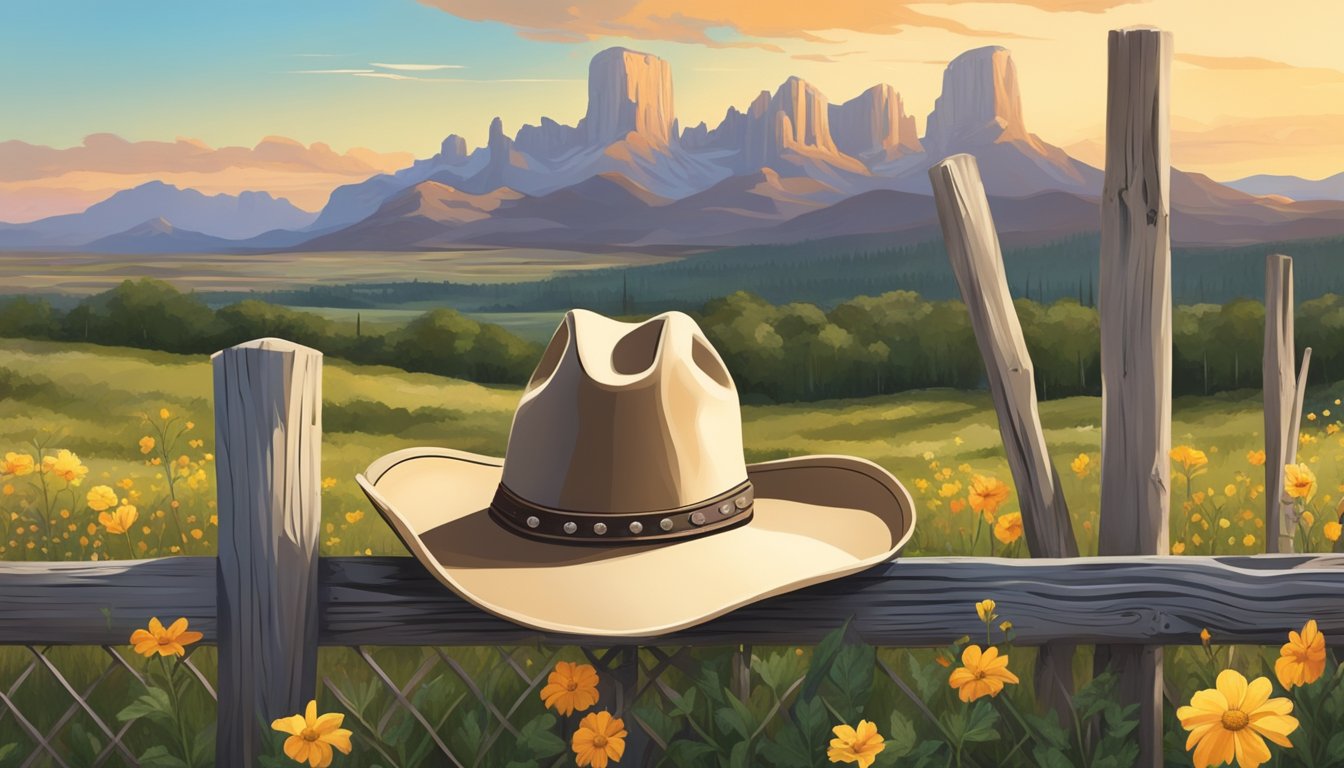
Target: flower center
[(571, 686), (1235, 719), (309, 734), (599, 741), (979, 674), (165, 641)]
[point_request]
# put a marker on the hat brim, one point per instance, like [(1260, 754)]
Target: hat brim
[(816, 518)]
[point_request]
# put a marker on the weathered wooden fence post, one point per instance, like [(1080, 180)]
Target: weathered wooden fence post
[(1135, 315), (1283, 394), (973, 248), (268, 438)]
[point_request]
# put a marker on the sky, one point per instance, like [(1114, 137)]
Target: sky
[(1257, 87)]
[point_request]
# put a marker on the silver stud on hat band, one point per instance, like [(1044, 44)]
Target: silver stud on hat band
[(733, 508)]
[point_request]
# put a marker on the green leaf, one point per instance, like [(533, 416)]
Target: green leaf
[(160, 757), (852, 673), (929, 678), (538, 736), (788, 749), (154, 704), (686, 706), (925, 755), (1049, 727), (980, 723), (521, 764), (1334, 750), (735, 717), (778, 672), (822, 659), (688, 754), (203, 746), (659, 724), (901, 737), (1050, 757)]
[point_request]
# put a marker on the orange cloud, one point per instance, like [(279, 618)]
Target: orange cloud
[(1255, 63), (1292, 144), (38, 181), (704, 21)]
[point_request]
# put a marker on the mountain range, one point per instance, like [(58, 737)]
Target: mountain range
[(790, 167)]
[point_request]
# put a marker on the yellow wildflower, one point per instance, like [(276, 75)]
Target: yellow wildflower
[(164, 414), (354, 517), (1008, 528), (1255, 458), (985, 610), (17, 464), (146, 444), (570, 688), (1299, 481), (312, 737), (981, 674), (119, 521), (986, 494), (1189, 458), (66, 466), (1248, 540), (949, 490), (921, 484), (1081, 465), (101, 497), (165, 642), (856, 745), (328, 482), (599, 740), (1302, 659), (1230, 490), (1178, 548), (1332, 530), (1231, 721), (1311, 417)]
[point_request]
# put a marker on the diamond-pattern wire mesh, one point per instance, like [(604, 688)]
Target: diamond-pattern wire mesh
[(470, 707), (59, 705)]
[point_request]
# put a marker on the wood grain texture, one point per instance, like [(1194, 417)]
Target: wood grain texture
[(924, 601), (972, 245), (1280, 393), (268, 454), (1135, 317), (921, 601), (973, 249)]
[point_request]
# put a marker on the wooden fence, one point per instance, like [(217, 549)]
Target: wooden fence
[(268, 601)]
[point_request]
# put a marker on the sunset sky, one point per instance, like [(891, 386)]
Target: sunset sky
[(1257, 87)]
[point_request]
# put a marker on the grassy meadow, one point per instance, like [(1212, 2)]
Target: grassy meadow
[(140, 423)]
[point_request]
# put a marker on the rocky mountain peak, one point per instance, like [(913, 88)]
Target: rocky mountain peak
[(873, 126), (629, 92), (980, 102)]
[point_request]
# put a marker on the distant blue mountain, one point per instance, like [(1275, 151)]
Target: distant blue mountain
[(227, 217), (1295, 187)]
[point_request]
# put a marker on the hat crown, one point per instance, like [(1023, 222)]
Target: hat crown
[(626, 417)]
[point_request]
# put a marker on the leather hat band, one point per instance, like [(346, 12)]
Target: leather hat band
[(726, 510)]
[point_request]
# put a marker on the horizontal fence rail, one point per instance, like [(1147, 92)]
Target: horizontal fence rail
[(925, 601)]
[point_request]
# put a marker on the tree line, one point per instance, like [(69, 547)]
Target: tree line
[(152, 314), (867, 345)]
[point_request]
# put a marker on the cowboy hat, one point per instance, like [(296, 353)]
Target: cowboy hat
[(623, 506)]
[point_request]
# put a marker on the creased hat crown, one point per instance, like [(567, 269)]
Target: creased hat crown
[(626, 417)]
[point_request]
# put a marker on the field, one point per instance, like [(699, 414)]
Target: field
[(80, 273), (103, 403)]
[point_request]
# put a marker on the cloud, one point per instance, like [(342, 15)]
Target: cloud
[(1257, 64), (1231, 62), (717, 24), (330, 71), (825, 58), (38, 181), (415, 67)]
